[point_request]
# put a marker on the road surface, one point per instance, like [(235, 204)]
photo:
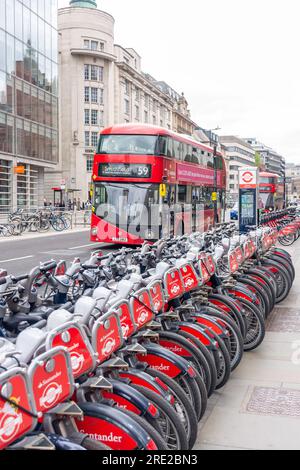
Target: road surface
[(20, 256)]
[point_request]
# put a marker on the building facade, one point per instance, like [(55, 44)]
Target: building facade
[(270, 160), (101, 84), (28, 100), (292, 174), (137, 98), (238, 153)]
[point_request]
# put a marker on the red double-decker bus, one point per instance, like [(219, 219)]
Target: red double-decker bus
[(271, 191), (149, 182)]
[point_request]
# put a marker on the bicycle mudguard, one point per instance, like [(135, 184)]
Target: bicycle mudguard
[(139, 377), (165, 361), (209, 322), (242, 292), (14, 421), (112, 427), (72, 336), (132, 400), (174, 346), (195, 330)]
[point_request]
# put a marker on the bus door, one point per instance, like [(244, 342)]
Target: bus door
[(197, 209), (183, 212), (168, 194)]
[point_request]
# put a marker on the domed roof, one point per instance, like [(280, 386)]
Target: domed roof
[(83, 3)]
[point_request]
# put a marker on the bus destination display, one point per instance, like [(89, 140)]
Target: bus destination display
[(124, 170)]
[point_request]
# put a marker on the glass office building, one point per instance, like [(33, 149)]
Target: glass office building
[(28, 100)]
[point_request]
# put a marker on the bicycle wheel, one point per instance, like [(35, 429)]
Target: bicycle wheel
[(57, 224), (255, 326), (236, 339), (171, 340), (172, 429), (158, 439), (182, 406)]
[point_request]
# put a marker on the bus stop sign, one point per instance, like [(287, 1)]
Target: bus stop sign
[(248, 197)]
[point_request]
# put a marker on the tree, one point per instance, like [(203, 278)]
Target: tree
[(257, 159)]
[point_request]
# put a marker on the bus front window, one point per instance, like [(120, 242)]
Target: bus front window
[(121, 204)]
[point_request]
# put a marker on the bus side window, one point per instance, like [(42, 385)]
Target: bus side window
[(181, 194), (177, 149), (170, 151)]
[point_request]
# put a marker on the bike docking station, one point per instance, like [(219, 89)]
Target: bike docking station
[(248, 198)]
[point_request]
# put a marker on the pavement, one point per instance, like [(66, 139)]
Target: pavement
[(259, 408), (19, 255)]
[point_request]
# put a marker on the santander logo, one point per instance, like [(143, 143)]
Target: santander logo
[(50, 395), (142, 317), (175, 289), (9, 423), (105, 437), (160, 367), (108, 346)]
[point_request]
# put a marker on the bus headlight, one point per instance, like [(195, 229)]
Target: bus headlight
[(94, 231), (150, 234)]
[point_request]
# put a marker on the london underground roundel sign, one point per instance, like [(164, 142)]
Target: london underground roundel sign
[(248, 178)]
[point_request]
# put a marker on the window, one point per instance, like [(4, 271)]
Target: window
[(128, 144), (87, 139), (102, 46), (94, 72), (177, 150), (146, 100), (86, 44), (89, 164), (87, 72), (87, 117), (94, 117), (126, 60), (231, 177), (231, 186), (87, 94), (127, 87), (101, 118), (94, 141), (126, 106), (154, 106), (101, 91), (94, 45), (154, 120), (137, 112), (100, 71), (94, 95), (137, 94), (146, 117)]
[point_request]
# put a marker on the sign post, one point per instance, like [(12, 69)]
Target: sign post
[(248, 197)]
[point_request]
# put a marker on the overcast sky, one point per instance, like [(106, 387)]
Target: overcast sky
[(237, 61)]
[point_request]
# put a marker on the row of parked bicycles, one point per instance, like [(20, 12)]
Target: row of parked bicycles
[(288, 224), (41, 221), (124, 350)]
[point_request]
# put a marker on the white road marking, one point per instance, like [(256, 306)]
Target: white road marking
[(15, 259), (82, 246)]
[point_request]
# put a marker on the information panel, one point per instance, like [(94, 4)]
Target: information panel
[(248, 196)]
